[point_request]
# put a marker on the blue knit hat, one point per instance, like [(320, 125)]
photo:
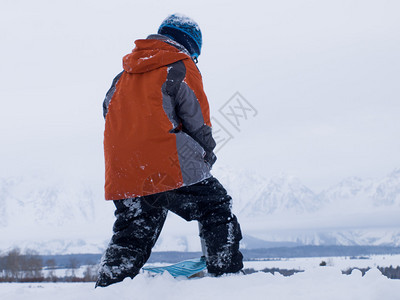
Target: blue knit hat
[(183, 30)]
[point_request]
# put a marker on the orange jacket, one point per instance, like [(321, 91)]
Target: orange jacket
[(157, 133)]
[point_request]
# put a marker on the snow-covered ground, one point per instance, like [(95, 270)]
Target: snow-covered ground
[(315, 283), (342, 263)]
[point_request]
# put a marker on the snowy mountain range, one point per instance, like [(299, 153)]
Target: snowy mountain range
[(64, 216), (384, 192)]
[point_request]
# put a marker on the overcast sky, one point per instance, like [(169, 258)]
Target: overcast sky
[(321, 80)]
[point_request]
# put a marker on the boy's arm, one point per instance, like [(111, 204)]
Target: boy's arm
[(189, 111)]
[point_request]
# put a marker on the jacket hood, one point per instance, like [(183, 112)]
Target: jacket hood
[(151, 54)]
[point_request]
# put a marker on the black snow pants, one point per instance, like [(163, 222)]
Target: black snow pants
[(139, 222)]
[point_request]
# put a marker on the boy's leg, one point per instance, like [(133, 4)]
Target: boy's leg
[(136, 230), (209, 203)]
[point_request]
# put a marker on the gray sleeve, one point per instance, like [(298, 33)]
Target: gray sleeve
[(189, 111), (110, 93)]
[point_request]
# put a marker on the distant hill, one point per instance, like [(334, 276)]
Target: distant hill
[(54, 215)]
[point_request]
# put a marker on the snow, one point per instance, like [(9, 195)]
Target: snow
[(146, 58), (182, 19), (317, 283), (342, 263)]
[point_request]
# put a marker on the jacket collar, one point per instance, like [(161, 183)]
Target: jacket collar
[(168, 41)]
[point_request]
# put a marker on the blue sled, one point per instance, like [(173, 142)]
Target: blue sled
[(185, 268)]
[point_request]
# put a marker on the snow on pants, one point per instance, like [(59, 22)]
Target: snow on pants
[(140, 220)]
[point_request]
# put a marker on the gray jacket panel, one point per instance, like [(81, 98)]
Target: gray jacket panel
[(189, 111), (183, 110), (110, 93)]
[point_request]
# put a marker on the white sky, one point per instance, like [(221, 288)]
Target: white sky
[(323, 76)]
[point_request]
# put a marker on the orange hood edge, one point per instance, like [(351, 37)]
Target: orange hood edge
[(151, 54)]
